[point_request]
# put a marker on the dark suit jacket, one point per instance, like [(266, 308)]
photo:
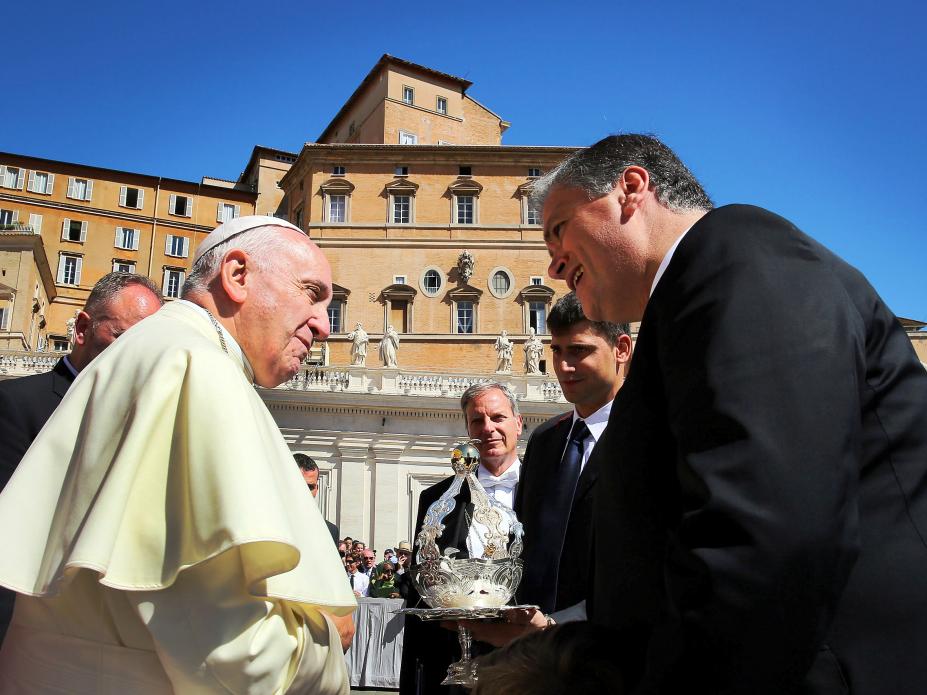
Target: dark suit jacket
[(332, 529), (556, 569), (25, 406), (764, 501), (427, 648)]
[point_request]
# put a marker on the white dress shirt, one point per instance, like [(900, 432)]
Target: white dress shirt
[(361, 583), (597, 422), (500, 488), (666, 261)]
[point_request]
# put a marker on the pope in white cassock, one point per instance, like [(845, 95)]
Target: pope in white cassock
[(157, 532)]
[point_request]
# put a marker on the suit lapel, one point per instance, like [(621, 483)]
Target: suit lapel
[(61, 378)]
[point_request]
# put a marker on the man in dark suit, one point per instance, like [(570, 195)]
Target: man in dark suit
[(555, 494), (116, 302), (491, 412), (764, 499), (310, 470)]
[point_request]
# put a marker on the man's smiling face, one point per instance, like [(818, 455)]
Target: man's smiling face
[(598, 253)]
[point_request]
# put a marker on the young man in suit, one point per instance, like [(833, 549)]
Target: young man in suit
[(491, 412), (763, 492), (555, 494)]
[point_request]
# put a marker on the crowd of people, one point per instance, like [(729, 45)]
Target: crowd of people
[(735, 504)]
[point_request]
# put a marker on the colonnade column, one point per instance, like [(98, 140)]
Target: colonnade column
[(353, 492), (387, 494)]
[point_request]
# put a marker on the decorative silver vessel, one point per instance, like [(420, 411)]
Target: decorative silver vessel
[(478, 585)]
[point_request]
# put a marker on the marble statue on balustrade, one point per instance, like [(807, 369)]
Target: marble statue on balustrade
[(71, 324), (359, 340), (389, 347), (534, 348), (505, 348)]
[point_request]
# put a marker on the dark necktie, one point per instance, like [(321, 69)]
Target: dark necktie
[(352, 580), (570, 468), (557, 510)]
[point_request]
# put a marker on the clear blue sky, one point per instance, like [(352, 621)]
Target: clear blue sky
[(815, 110)]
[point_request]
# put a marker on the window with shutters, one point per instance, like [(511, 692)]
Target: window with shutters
[(41, 182), (130, 197), (80, 189), (173, 282), (180, 205), (335, 313), (464, 317), (69, 267), (464, 208), (402, 209), (12, 177), (227, 211), (537, 317), (35, 221), (127, 238), (74, 230), (123, 266), (8, 217), (337, 208), (178, 246)]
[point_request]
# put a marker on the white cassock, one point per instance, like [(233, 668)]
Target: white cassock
[(160, 536)]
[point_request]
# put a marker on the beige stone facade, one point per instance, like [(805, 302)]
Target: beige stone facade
[(92, 220)]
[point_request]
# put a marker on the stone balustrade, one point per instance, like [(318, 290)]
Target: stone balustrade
[(356, 380)]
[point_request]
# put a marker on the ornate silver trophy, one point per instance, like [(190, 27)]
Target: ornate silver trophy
[(475, 587)]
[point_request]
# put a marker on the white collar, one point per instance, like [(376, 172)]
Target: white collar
[(666, 261), (597, 422), (230, 342), (508, 478)]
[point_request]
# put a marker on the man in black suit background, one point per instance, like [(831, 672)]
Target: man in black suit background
[(116, 302), (491, 413), (555, 497), (310, 470), (763, 502)]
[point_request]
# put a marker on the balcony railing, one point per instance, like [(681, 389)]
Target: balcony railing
[(356, 380)]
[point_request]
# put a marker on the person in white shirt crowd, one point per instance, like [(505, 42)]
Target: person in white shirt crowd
[(555, 494), (360, 582), (491, 414)]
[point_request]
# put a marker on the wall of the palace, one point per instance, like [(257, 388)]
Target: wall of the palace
[(103, 213), (25, 283)]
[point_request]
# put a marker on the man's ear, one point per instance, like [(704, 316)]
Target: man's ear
[(623, 348), (82, 325), (633, 186), (233, 274)]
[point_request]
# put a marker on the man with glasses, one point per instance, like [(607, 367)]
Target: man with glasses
[(310, 472), (360, 582)]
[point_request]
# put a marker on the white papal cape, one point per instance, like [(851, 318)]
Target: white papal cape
[(160, 536)]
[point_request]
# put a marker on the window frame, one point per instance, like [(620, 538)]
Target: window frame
[(172, 205), (61, 277), (423, 284), (438, 102), (458, 306), (407, 135), (72, 188), (118, 241), (408, 95), (169, 243), (49, 186), (66, 230), (221, 208), (166, 278), (124, 197), (19, 180), (119, 261), (509, 274)]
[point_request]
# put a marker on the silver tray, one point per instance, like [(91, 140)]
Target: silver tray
[(460, 613)]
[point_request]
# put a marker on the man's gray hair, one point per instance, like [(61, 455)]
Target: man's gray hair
[(262, 244), (596, 170), (110, 285), (484, 386)]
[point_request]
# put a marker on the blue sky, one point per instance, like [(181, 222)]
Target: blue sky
[(814, 110)]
